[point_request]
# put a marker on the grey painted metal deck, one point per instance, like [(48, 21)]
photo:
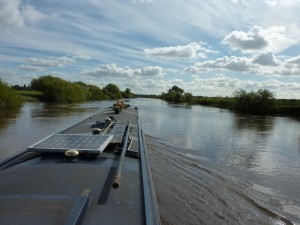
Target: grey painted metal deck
[(48, 189)]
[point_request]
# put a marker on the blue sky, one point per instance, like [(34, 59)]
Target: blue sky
[(209, 48)]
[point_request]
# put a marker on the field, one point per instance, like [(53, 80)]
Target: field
[(29, 96)]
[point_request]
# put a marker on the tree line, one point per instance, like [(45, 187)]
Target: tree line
[(54, 89), (58, 90), (260, 102)]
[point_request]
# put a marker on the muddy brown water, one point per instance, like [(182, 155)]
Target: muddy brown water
[(209, 166)]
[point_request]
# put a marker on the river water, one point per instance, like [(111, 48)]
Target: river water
[(209, 166)]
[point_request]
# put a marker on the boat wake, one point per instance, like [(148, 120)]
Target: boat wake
[(192, 190)]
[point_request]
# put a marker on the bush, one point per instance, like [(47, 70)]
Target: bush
[(259, 102), (96, 93), (8, 98), (221, 102), (58, 90), (127, 93), (175, 94), (55, 89), (112, 91)]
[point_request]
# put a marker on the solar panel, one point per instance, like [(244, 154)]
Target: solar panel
[(80, 142), (118, 132)]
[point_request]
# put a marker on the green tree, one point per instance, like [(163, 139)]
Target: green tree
[(112, 91), (189, 98), (176, 89), (96, 93), (8, 98), (127, 93), (259, 102), (175, 94), (58, 90), (85, 89)]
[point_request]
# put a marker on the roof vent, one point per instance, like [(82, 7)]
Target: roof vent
[(96, 130), (72, 154)]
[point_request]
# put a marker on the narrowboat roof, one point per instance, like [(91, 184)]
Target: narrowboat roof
[(44, 186)]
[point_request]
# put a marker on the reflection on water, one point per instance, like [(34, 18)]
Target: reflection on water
[(38, 120), (6, 117), (58, 110), (259, 152), (257, 123), (209, 165), (175, 105), (251, 132), (254, 130)]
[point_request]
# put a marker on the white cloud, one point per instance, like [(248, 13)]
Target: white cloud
[(80, 55), (294, 60), (36, 64), (108, 70), (150, 71), (192, 50), (10, 14), (263, 64), (31, 68), (219, 85), (272, 3), (50, 62), (250, 41), (113, 70), (273, 39), (15, 78), (229, 63), (140, 1), (243, 2), (31, 15), (281, 2), (118, 31), (266, 59), (147, 86), (225, 86)]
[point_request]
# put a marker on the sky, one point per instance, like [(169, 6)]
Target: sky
[(207, 48)]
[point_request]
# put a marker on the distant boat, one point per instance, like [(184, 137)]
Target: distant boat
[(95, 172)]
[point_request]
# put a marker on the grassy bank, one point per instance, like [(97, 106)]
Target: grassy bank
[(29, 96), (286, 107), (9, 100), (220, 102)]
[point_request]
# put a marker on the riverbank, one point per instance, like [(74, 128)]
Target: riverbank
[(29, 96), (283, 107), (260, 102)]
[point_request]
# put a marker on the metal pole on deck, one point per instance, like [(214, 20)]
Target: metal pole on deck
[(117, 179)]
